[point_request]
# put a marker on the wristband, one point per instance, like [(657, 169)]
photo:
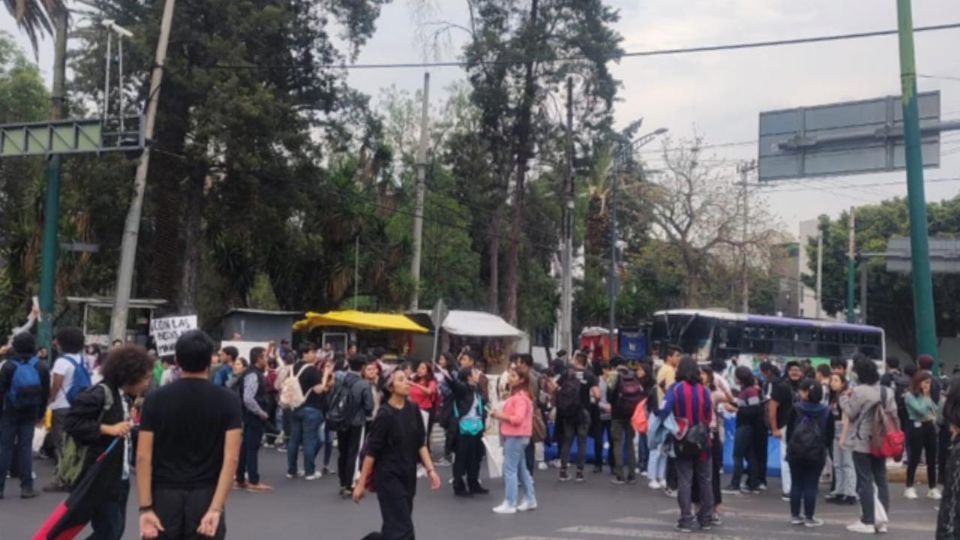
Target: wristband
[(146, 508)]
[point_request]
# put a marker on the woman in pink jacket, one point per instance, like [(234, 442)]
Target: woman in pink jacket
[(516, 426)]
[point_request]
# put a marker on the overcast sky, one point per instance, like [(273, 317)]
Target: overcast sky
[(720, 94)]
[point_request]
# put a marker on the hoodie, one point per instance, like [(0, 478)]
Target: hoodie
[(814, 412)]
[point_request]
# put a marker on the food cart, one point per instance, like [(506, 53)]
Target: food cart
[(390, 331)]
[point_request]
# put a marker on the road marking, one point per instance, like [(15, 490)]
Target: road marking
[(912, 526), (636, 533), (727, 527)]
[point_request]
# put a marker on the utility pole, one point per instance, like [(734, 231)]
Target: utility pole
[(852, 267), (421, 194), (618, 159), (923, 310), (566, 278), (744, 169), (51, 208), (819, 272), (131, 230), (863, 290), (356, 271)]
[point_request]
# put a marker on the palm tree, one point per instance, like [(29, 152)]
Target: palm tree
[(35, 17)]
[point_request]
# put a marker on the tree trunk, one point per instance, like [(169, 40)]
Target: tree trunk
[(524, 150), (192, 225), (493, 300)]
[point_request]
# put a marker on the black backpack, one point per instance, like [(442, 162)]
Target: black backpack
[(630, 392), (568, 395), (807, 443), (341, 407)]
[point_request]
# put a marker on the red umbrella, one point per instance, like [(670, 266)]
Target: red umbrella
[(73, 514)]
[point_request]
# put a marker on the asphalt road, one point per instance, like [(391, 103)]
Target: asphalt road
[(593, 510)]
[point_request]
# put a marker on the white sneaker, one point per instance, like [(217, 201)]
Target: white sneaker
[(504, 508), (882, 528), (526, 506), (542, 466), (655, 485), (312, 477), (934, 494), (910, 493), (862, 528)]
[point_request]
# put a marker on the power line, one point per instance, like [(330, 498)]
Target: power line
[(775, 190), (632, 54)]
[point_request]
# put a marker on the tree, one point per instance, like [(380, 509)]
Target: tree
[(34, 17)]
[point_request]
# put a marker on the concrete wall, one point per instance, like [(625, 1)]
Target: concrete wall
[(258, 326)]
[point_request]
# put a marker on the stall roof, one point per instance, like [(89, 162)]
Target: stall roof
[(479, 324), (359, 320)]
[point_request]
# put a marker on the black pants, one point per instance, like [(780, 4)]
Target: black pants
[(761, 437), (944, 451), (672, 473), (716, 464), (348, 445), (804, 480), (273, 405), (248, 470), (871, 470), (530, 457), (467, 462), (110, 517), (599, 428), (744, 448), (450, 441), (181, 510), (688, 469), (574, 429), (396, 510), (923, 439)]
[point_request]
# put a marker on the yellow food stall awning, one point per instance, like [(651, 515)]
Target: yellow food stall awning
[(359, 320)]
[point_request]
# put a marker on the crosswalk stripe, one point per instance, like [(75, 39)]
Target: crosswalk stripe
[(912, 526), (649, 534), (726, 527)]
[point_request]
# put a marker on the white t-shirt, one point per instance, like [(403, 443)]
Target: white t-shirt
[(65, 368)]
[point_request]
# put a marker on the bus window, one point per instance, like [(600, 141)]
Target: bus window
[(728, 336), (805, 348), (781, 347), (829, 345), (696, 338)]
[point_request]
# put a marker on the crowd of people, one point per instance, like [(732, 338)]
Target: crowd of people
[(192, 428)]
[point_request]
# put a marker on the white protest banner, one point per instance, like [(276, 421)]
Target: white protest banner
[(165, 331)]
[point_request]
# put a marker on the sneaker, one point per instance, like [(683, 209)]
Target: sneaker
[(579, 477), (785, 498), (716, 520), (745, 490), (812, 522), (54, 487), (325, 471), (910, 493), (312, 477), (479, 490), (762, 487), (462, 493), (655, 485), (598, 469), (882, 528), (564, 475), (705, 527), (934, 494), (542, 466), (862, 528), (849, 500), (796, 520), (526, 506), (669, 492), (684, 528), (28, 493), (442, 462), (291, 476), (731, 490), (643, 473), (631, 480), (504, 508), (617, 480)]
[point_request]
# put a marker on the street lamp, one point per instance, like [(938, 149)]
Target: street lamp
[(121, 32), (619, 158)]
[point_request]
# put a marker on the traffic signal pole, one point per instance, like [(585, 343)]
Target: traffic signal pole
[(923, 308)]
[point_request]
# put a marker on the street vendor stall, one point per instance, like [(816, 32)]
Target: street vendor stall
[(390, 331), (490, 335)]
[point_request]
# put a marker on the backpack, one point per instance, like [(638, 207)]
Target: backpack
[(25, 388), (81, 379), (639, 420), (630, 394), (807, 442), (291, 394), (568, 396), (886, 438), (899, 384), (74, 458), (341, 406)]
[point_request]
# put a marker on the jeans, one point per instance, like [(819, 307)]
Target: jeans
[(249, 469), (348, 446), (305, 429), (597, 430), (657, 463), (574, 428), (622, 433), (16, 436), (923, 439), (514, 466), (110, 517), (687, 468), (467, 462), (805, 477), (844, 474), (744, 449), (643, 451), (870, 471)]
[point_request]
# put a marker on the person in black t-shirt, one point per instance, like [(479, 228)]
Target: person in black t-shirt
[(188, 450), (577, 425), (782, 398), (397, 443), (305, 420)]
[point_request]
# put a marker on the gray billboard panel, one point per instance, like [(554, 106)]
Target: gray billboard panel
[(944, 255), (853, 137)]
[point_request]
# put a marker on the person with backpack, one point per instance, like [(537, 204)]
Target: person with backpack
[(301, 398), (862, 406), (782, 398), (809, 432), (252, 388), (470, 405), (69, 377), (349, 404), (923, 414), (692, 408), (576, 387), (25, 387), (99, 416), (625, 395)]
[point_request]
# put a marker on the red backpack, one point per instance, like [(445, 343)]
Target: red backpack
[(886, 440)]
